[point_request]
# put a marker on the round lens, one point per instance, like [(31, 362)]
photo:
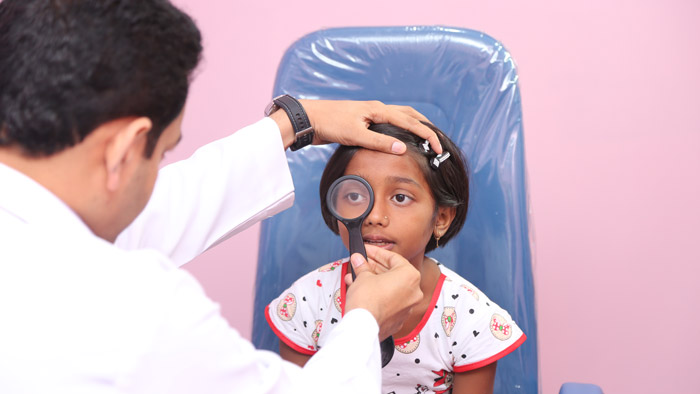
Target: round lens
[(349, 199)]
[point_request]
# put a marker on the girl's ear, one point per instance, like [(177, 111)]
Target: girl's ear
[(445, 216)]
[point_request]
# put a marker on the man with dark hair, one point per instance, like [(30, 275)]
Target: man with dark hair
[(92, 95)]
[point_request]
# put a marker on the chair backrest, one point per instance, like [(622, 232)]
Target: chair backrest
[(465, 82)]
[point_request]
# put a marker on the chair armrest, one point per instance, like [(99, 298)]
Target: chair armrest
[(580, 388)]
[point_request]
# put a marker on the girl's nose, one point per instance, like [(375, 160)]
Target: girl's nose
[(377, 217)]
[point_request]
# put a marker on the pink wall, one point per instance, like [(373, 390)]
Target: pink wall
[(613, 148)]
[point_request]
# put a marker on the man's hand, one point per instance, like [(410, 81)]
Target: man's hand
[(389, 294), (346, 122)]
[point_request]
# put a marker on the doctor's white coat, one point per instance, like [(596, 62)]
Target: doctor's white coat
[(81, 315)]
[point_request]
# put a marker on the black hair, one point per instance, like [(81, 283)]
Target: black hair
[(449, 184), (68, 66)]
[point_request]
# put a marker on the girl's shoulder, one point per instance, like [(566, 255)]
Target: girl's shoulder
[(454, 282), (467, 299), (304, 314), (327, 275), (476, 330), (335, 266)]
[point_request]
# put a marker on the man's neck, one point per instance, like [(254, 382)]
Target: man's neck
[(63, 174)]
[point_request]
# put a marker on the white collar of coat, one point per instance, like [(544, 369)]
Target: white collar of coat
[(33, 204)]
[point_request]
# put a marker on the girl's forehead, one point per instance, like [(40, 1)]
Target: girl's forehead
[(379, 165)]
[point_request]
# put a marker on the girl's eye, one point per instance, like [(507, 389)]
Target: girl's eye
[(401, 198), (355, 198)]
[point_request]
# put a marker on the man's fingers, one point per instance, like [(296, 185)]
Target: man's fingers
[(346, 122), (348, 279), (359, 264), (367, 138), (384, 257), (389, 114), (388, 295)]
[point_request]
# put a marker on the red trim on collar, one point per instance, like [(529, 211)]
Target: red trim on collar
[(428, 312), (343, 287)]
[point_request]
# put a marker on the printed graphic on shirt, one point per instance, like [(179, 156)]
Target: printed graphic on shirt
[(409, 346), (471, 291), (317, 331), (421, 389), (337, 301), (331, 266), (449, 319), (500, 327), (444, 377), (287, 307)]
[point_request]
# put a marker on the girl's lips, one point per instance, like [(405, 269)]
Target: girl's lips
[(381, 243)]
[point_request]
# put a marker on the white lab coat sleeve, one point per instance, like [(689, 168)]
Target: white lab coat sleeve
[(223, 188), (197, 352), (350, 360)]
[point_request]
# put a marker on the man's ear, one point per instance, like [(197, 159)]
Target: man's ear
[(445, 215), (125, 142)]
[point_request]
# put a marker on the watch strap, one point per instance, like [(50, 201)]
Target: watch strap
[(303, 131)]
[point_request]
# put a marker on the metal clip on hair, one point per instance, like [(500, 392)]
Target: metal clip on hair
[(435, 163), (426, 146), (437, 160)]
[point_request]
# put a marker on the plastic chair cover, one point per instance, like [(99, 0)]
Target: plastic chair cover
[(465, 82)]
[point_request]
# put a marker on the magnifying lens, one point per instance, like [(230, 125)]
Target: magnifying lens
[(350, 199)]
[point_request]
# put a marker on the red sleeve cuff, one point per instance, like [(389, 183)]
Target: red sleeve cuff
[(495, 357), (283, 338)]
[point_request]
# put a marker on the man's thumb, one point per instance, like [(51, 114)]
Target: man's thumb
[(359, 264)]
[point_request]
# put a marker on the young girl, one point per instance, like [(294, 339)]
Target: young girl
[(453, 338)]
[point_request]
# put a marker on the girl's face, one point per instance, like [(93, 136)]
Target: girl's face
[(403, 217)]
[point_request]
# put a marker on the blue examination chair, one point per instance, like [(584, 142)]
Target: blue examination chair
[(466, 83)]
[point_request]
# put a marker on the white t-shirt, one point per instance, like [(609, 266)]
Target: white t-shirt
[(462, 329)]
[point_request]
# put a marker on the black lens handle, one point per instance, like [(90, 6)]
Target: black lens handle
[(357, 245)]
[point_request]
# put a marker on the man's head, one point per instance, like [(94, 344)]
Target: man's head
[(91, 95), (68, 66)]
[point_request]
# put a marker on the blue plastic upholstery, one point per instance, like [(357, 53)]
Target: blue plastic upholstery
[(580, 388), (465, 82)]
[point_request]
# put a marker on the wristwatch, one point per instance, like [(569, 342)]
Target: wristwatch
[(300, 121)]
